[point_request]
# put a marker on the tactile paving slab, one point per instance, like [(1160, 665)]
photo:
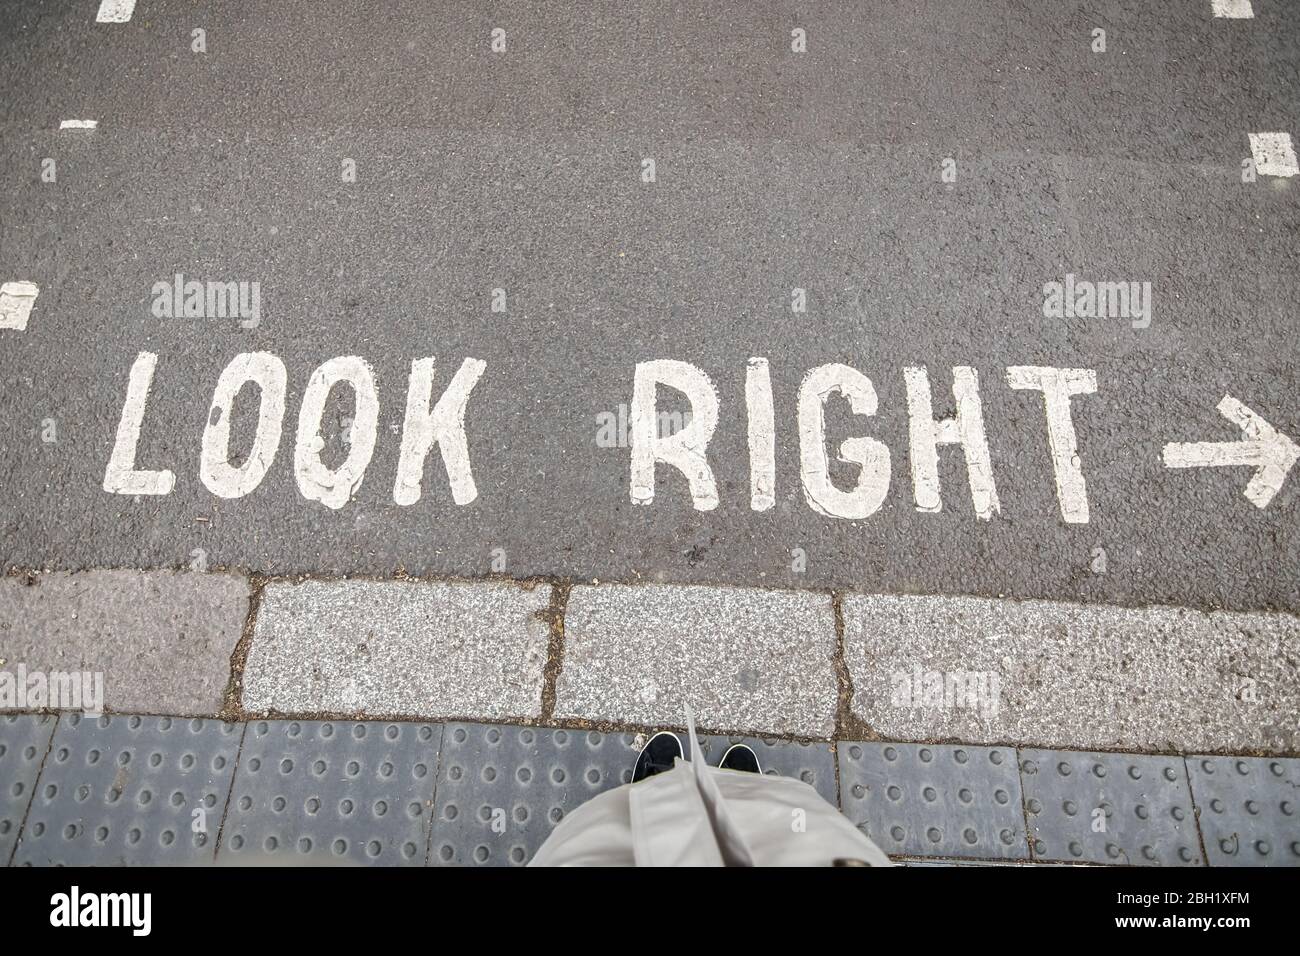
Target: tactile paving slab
[(1249, 809), (502, 789), (934, 800), (1109, 808), (117, 791), (813, 763), (24, 739), (332, 792)]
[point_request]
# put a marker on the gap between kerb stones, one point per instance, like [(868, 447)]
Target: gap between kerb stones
[(847, 725), (233, 700), (554, 616)]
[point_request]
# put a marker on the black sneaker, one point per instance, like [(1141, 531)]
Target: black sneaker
[(657, 755), (740, 757)]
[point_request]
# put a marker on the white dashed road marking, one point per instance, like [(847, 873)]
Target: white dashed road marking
[(78, 124), (1233, 9), (1272, 453), (115, 11), (1273, 154), (16, 301)]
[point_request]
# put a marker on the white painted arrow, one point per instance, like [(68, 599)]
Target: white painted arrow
[(1267, 449)]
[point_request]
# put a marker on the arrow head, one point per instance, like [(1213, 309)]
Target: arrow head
[(1272, 453), (1278, 453)]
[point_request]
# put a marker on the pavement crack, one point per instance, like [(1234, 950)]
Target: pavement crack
[(225, 808), (22, 826)]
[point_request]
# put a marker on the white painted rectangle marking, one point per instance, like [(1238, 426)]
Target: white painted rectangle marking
[(16, 301), (1273, 154), (115, 11), (1233, 9), (78, 124)]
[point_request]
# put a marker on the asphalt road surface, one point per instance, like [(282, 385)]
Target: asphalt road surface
[(606, 185)]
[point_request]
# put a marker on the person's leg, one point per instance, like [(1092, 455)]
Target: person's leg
[(659, 754), (740, 757)]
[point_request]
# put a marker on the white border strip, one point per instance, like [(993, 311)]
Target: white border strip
[(115, 11), (1273, 154), (16, 301), (1233, 9)]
